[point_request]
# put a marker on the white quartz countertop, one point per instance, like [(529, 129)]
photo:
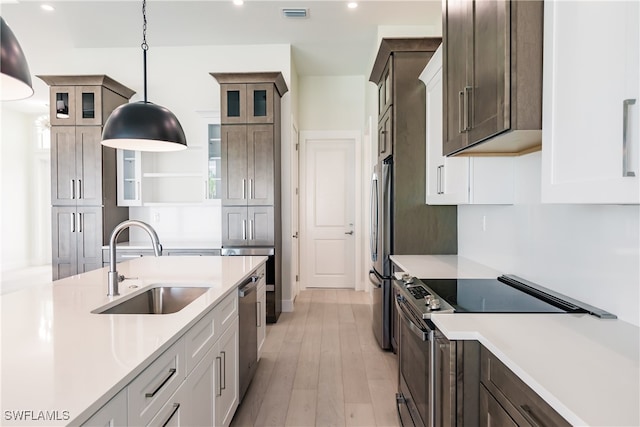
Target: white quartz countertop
[(586, 368), (58, 356), (442, 267)]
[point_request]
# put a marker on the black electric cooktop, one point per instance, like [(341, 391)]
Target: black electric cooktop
[(494, 296)]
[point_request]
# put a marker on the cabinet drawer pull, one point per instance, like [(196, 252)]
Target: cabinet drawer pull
[(219, 363), (527, 413), (625, 151), (223, 384), (172, 372), (176, 406)]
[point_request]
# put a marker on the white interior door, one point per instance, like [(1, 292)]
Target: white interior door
[(329, 213), (295, 213)]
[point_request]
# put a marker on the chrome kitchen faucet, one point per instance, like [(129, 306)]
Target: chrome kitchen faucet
[(113, 278)]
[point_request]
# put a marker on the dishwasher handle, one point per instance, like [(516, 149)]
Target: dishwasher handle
[(248, 288)]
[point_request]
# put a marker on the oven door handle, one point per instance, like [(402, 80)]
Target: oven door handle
[(419, 332)]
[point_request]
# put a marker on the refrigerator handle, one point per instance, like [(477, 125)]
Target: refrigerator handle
[(385, 202), (373, 236)]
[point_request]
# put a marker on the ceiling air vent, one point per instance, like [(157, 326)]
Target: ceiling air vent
[(298, 12)]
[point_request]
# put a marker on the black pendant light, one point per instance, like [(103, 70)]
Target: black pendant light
[(143, 126), (15, 80)]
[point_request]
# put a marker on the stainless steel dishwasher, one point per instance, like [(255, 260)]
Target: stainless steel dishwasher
[(248, 335)]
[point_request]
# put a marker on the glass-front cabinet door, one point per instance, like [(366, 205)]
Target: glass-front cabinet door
[(260, 103), (88, 105), (214, 168), (247, 103), (76, 105), (234, 104), (129, 178)]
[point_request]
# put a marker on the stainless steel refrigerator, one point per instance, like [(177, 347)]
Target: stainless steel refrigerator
[(402, 224)]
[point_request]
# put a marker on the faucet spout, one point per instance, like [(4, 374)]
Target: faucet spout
[(113, 278)]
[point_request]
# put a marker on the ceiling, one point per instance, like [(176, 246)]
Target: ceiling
[(333, 40)]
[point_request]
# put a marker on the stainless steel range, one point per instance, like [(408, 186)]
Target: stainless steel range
[(416, 300)]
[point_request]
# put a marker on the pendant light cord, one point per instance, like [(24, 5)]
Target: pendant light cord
[(145, 46)]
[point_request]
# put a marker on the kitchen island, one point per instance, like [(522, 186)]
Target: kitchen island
[(61, 363), (587, 369)]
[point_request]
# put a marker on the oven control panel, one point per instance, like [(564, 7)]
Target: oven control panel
[(422, 299)]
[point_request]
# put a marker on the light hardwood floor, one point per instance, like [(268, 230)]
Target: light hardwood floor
[(321, 366)]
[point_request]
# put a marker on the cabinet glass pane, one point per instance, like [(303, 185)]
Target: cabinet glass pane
[(214, 187), (259, 103), (129, 174), (88, 105), (62, 105), (233, 103)]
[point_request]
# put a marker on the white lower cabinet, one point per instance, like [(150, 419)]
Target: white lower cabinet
[(459, 180), (113, 414), (193, 383), (228, 377)]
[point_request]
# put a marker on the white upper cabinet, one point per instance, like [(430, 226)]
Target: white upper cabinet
[(591, 102), (459, 180)]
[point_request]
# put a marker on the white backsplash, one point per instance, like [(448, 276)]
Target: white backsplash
[(180, 224), (588, 252)]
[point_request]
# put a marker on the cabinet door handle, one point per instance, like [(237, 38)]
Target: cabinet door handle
[(171, 373), (529, 416), (176, 406), (80, 224), (244, 185), (244, 229), (461, 128), (219, 363), (79, 185), (250, 188), (73, 222), (625, 151), (467, 121), (251, 229), (73, 188), (259, 319), (223, 385)]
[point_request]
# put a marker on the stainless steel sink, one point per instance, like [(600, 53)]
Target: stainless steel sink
[(157, 300)]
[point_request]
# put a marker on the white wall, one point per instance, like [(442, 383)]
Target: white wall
[(332, 103), (588, 252), (25, 188)]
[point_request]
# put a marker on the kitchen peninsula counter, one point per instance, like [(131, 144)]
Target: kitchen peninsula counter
[(586, 368), (58, 356)]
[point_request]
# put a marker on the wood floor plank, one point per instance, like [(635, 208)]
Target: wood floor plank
[(302, 408), (360, 414), (383, 393)]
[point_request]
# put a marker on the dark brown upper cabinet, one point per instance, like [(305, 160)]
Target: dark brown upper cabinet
[(492, 77)]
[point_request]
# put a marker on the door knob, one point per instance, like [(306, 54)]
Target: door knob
[(349, 232), (295, 236)]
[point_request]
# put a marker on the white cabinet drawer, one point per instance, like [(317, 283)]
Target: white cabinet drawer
[(172, 414), (112, 414), (201, 337), (225, 312), (150, 390)]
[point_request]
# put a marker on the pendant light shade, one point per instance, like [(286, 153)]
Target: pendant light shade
[(143, 126), (15, 80)]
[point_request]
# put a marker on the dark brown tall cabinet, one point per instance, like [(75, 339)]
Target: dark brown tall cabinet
[(83, 172), (492, 76), (250, 160)]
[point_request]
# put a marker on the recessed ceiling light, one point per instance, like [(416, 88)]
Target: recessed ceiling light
[(238, 2), (47, 7), (352, 5)]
